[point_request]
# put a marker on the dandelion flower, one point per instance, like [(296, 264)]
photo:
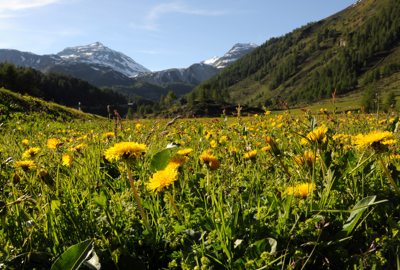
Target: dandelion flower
[(31, 152), (25, 142), (67, 160), (375, 139), (250, 155), (223, 139), (266, 148), (25, 164), (300, 190), (210, 160), (177, 161), (185, 152), (213, 144), (108, 135), (125, 150), (318, 134), (53, 143), (162, 179), (78, 148)]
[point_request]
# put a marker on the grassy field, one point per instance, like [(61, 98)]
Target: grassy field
[(273, 191)]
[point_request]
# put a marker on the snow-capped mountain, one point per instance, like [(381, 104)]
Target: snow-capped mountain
[(94, 63), (199, 72), (97, 53), (237, 51)]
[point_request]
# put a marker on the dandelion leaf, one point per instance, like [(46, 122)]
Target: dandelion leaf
[(160, 160), (356, 214), (74, 256)]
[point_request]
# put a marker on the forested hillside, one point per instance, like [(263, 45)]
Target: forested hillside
[(58, 88), (347, 51)]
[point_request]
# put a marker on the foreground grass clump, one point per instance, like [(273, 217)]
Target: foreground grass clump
[(262, 192)]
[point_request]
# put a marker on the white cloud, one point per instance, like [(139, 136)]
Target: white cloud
[(24, 4), (10, 8), (150, 21)]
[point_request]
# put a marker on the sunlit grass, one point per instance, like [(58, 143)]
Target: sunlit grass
[(272, 191)]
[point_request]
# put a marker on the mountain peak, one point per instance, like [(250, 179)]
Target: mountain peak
[(237, 51), (97, 53)]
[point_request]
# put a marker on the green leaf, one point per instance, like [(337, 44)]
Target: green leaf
[(101, 200), (74, 256), (356, 214), (160, 160)]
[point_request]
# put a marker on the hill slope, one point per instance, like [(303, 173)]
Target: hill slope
[(11, 102), (347, 51)]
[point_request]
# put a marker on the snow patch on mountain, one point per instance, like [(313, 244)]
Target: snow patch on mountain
[(236, 52), (97, 53)]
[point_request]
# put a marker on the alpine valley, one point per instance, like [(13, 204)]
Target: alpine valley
[(104, 67)]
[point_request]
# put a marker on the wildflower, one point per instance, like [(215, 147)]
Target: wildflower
[(376, 139), (185, 152), (108, 135), (31, 152), (67, 160), (210, 160), (250, 155), (25, 142), (318, 134), (25, 164), (266, 148), (53, 143), (78, 148), (300, 190), (213, 144), (177, 161), (208, 134), (309, 157), (233, 150), (162, 179), (223, 139), (124, 150)]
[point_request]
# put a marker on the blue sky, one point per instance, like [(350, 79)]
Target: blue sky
[(156, 33)]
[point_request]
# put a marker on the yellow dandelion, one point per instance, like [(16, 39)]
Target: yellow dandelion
[(210, 160), (67, 160), (162, 179), (223, 139), (78, 148), (125, 150), (233, 150), (108, 135), (25, 142), (266, 148), (300, 190), (318, 134), (213, 144), (177, 161), (309, 156), (250, 155), (185, 152), (375, 139), (53, 143), (25, 164), (31, 152)]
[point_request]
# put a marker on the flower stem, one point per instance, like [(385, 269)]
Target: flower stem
[(389, 176), (137, 200)]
